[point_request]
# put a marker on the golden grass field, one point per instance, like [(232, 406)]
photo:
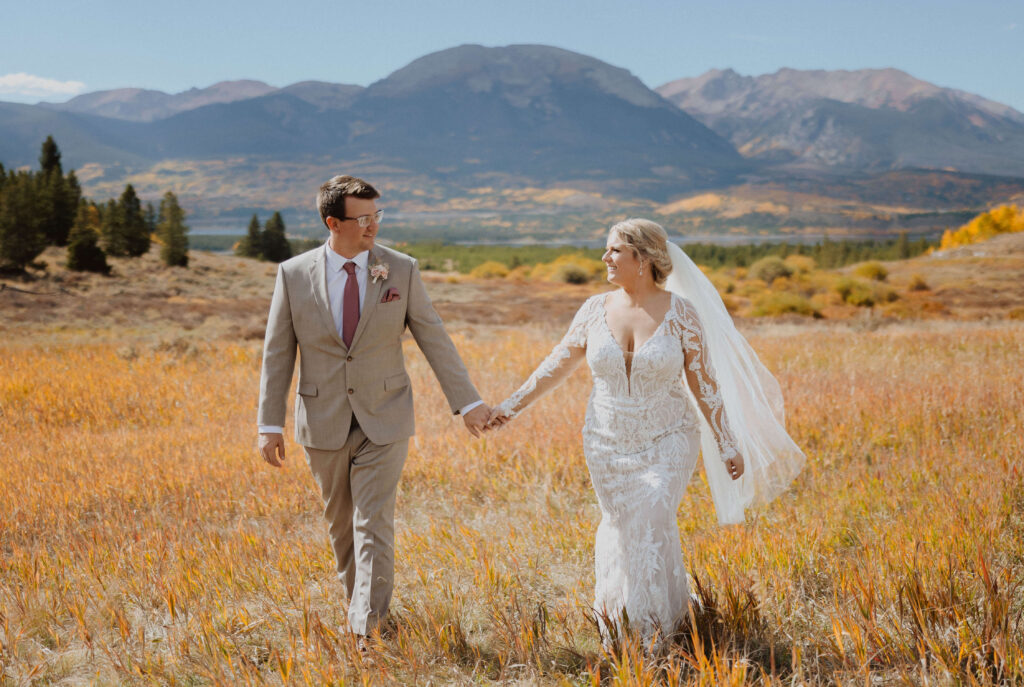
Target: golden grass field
[(142, 541)]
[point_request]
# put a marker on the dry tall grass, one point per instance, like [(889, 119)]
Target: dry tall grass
[(143, 542)]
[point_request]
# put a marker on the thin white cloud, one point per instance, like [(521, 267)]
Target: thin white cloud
[(24, 85)]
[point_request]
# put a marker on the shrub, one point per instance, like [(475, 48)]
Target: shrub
[(1016, 314), (872, 270), (782, 303), (489, 270), (570, 273), (722, 282), (855, 292), (731, 304), (752, 287), (769, 269), (571, 266), (84, 253), (521, 273), (863, 294), (884, 294), (823, 300), (801, 264), (917, 283)]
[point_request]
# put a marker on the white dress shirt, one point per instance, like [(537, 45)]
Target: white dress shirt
[(337, 277)]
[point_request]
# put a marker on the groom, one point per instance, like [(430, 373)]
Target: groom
[(344, 306)]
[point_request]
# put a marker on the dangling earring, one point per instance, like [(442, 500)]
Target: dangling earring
[(640, 271)]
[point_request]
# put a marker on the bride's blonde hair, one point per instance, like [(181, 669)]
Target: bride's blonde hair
[(649, 243)]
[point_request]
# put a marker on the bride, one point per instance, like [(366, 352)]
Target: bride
[(672, 376)]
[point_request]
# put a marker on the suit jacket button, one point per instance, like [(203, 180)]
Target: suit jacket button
[(351, 391), (349, 358)]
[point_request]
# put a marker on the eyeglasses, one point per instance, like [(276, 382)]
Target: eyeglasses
[(364, 220)]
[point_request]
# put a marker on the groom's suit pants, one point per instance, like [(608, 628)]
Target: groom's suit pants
[(358, 484)]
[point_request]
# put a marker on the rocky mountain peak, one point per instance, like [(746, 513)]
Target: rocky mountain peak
[(865, 118), (521, 73)]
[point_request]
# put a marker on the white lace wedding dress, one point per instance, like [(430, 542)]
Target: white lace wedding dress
[(641, 442)]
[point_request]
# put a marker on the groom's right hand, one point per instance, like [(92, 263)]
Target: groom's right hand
[(272, 448)]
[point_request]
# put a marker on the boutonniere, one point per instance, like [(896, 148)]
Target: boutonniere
[(379, 271)]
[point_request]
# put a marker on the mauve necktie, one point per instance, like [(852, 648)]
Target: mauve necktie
[(350, 305)]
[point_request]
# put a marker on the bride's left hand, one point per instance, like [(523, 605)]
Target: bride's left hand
[(497, 419), (735, 466)]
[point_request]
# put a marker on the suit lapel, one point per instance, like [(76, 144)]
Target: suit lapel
[(318, 277), (371, 299)]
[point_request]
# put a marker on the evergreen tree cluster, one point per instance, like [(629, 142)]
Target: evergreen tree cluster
[(827, 254), (269, 243), (39, 209)]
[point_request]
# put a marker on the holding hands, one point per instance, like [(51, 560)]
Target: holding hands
[(476, 419), (483, 418), (500, 417)]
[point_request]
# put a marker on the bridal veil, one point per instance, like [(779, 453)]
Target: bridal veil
[(751, 398)]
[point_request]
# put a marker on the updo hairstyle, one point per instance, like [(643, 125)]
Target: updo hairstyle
[(649, 243)]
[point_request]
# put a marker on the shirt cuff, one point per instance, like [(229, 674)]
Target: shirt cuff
[(465, 409), (271, 429)]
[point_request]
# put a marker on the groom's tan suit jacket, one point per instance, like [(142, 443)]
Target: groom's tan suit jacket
[(368, 378)]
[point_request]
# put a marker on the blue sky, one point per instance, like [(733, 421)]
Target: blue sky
[(53, 50)]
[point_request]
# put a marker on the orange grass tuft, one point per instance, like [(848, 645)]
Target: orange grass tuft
[(143, 542)]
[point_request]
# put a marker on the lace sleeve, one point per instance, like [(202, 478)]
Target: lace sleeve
[(562, 360), (700, 376)]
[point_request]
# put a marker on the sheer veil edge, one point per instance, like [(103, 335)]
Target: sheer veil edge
[(751, 399)]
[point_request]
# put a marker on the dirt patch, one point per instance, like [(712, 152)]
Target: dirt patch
[(225, 297), (222, 296)]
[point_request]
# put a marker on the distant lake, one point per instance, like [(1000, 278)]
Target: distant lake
[(717, 239), (220, 239)]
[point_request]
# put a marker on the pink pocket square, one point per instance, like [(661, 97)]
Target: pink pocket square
[(390, 295)]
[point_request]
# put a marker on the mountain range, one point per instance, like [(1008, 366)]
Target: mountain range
[(474, 117), (869, 119), (142, 105), (528, 111)]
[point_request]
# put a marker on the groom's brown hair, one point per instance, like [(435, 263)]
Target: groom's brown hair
[(330, 201)]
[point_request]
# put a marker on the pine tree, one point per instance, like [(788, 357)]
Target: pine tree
[(902, 246), (21, 230), (136, 232), (84, 252), (58, 202), (56, 213), (74, 188), (48, 188), (172, 232), (112, 230), (275, 244), (68, 205), (252, 245), (58, 196), (49, 157)]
